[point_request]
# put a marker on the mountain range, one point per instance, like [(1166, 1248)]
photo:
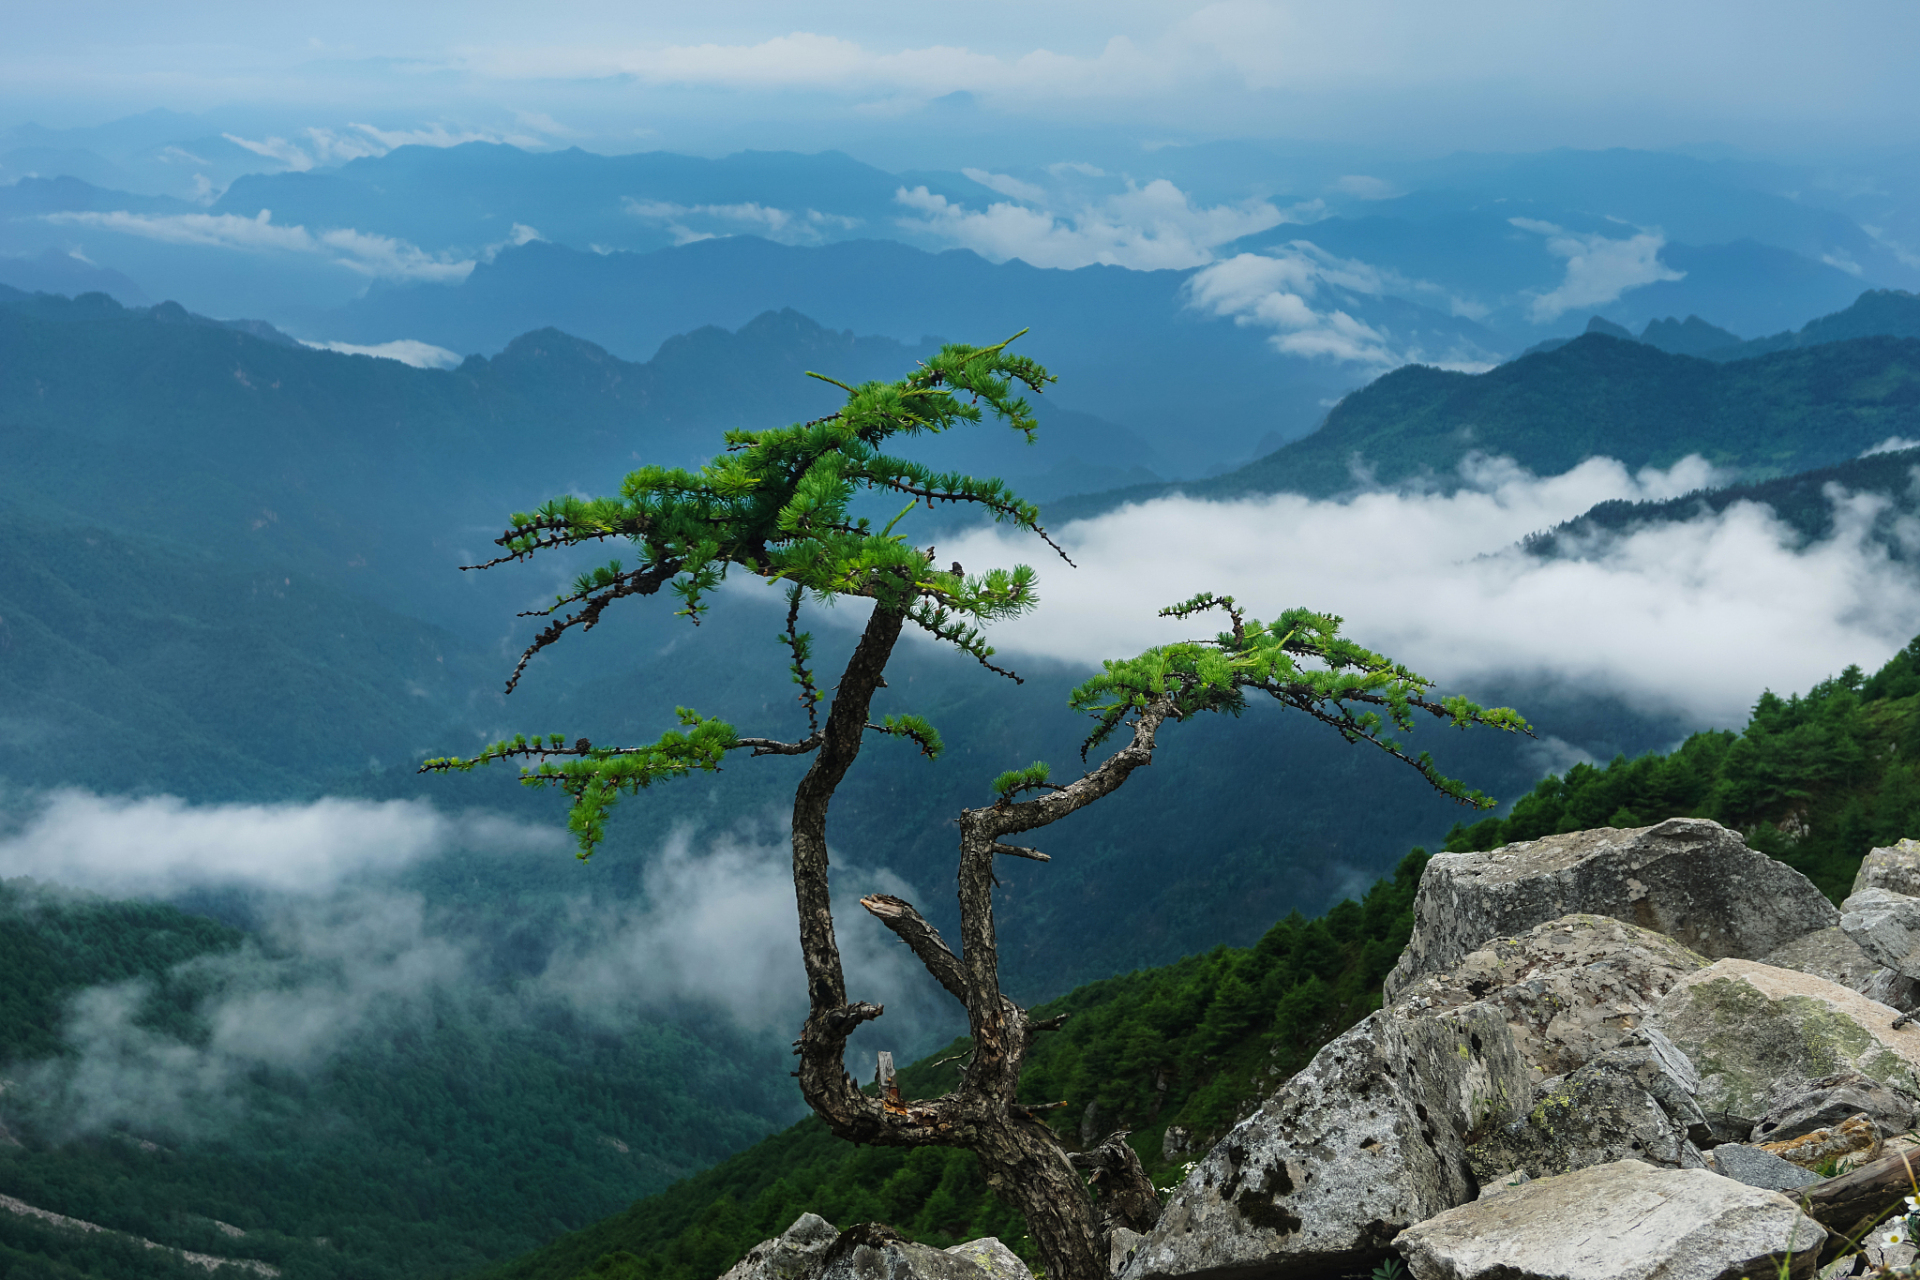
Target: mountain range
[(1793, 403)]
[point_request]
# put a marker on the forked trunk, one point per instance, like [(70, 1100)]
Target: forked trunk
[(1021, 1158)]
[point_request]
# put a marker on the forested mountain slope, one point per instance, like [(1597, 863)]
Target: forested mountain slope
[(1814, 779), (1768, 416)]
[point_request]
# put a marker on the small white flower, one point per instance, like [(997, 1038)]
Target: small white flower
[(1896, 1236), (1913, 1204)]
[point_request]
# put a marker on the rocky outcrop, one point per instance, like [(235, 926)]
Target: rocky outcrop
[(873, 1252), (812, 1249), (1569, 989), (1885, 925), (1368, 1139), (1753, 1032), (1687, 878), (794, 1254), (1895, 868), (1619, 1221)]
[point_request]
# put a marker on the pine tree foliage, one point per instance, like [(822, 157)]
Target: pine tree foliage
[(777, 505)]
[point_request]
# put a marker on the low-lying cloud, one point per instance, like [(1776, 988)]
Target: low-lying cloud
[(359, 141), (319, 974), (1599, 268), (788, 226), (358, 251), (342, 950), (161, 845), (715, 926), (1308, 296), (1694, 617), (411, 351), (1150, 227)]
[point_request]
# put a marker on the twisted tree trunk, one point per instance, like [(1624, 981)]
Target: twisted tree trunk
[(1023, 1160)]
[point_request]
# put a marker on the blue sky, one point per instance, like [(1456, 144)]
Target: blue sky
[(881, 79)]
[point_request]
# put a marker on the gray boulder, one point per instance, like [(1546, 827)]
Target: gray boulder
[(1755, 1032), (794, 1254), (994, 1258), (1368, 1139), (1607, 1110), (1620, 1221), (1896, 868), (1688, 878), (871, 1251), (1886, 925), (1569, 989), (1759, 1168), (1829, 954), (1825, 1102)]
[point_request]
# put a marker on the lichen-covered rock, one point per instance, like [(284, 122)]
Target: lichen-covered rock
[(994, 1258), (1854, 1140), (1601, 1113), (1895, 868), (1755, 1032), (1758, 1168), (1570, 989), (1823, 1103), (871, 1251), (1368, 1139), (1886, 925), (794, 1254), (1121, 1242), (1620, 1221), (1688, 878)]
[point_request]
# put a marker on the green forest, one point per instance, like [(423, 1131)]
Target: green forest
[(1814, 779)]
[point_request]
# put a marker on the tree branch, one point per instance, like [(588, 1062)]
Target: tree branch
[(922, 938), (637, 582), (1005, 818)]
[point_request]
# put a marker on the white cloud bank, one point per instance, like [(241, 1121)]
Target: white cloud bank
[(789, 226), (321, 974), (163, 845), (1303, 293), (357, 141), (1599, 268), (1695, 617), (421, 355), (341, 954), (715, 925), (358, 251), (1146, 228)]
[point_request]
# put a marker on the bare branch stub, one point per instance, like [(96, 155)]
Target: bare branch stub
[(922, 938)]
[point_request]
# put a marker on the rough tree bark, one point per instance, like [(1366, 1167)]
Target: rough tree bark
[(1021, 1157)]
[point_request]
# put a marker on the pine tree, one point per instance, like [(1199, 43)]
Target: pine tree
[(777, 505)]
